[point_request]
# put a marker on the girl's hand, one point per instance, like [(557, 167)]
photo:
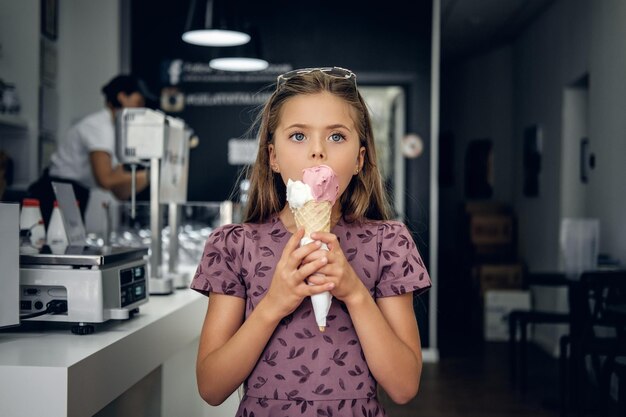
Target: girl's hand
[(289, 287), (337, 270)]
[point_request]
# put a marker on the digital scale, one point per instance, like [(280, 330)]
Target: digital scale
[(98, 284), (81, 284)]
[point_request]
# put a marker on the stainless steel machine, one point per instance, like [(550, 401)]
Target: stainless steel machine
[(9, 264), (84, 285), (149, 137)]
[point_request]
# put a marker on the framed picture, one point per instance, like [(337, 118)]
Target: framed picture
[(50, 19)]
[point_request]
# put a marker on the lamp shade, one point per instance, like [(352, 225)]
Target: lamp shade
[(210, 24), (242, 58), (242, 64)]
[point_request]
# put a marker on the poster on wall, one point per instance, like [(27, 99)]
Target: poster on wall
[(50, 19), (221, 108)]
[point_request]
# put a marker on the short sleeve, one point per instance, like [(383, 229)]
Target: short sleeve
[(98, 135), (219, 270), (401, 268)]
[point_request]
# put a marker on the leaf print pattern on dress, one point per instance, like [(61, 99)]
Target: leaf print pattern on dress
[(357, 371), (293, 353), (338, 357), (328, 412), (266, 252), (260, 382), (305, 334), (407, 268), (227, 288), (277, 235), (367, 236), (259, 291), (260, 270), (303, 373), (388, 254), (213, 257), (268, 358), (327, 369), (321, 390), (404, 242)]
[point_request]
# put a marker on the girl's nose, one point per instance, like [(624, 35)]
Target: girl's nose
[(317, 150)]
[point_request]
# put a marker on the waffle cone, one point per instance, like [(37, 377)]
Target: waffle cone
[(314, 216)]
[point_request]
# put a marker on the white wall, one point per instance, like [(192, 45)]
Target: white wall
[(89, 51), (575, 127), (570, 39), (19, 64), (89, 56), (607, 188), (549, 55)]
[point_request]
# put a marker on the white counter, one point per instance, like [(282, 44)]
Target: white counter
[(55, 373)]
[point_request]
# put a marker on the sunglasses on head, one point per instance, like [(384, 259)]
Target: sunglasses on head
[(335, 72)]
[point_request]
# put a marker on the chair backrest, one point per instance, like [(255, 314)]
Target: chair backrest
[(592, 300)]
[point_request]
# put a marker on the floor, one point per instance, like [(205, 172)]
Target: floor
[(476, 384)]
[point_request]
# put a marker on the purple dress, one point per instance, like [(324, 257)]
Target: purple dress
[(303, 372)]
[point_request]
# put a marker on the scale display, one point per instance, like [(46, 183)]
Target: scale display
[(132, 285)]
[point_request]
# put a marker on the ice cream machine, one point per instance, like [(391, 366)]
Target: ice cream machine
[(150, 138)]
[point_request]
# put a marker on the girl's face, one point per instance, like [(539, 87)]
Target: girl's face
[(316, 129)]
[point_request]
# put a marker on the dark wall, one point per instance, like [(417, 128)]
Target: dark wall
[(383, 42)]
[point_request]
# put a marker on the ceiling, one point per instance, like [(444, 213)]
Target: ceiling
[(473, 26)]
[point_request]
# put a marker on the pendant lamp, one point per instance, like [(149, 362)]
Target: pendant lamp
[(242, 58), (208, 25)]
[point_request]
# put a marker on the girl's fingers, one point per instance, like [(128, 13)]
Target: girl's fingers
[(315, 255), (326, 237), (307, 270), (297, 253), (294, 241), (317, 289)]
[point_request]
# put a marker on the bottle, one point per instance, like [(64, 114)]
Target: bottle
[(32, 229), (57, 238)]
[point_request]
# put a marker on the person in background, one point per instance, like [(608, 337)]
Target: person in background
[(259, 328), (87, 157)]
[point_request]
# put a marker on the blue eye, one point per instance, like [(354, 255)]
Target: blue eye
[(337, 137), (298, 137)]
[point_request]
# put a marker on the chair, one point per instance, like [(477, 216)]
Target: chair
[(519, 319), (594, 331), (620, 372)]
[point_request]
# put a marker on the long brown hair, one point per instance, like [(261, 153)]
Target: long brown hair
[(364, 198)]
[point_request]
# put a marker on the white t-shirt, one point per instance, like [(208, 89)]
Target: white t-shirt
[(95, 132)]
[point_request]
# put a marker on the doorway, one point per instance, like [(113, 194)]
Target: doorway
[(387, 110)]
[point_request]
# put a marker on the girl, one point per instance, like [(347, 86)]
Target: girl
[(259, 327)]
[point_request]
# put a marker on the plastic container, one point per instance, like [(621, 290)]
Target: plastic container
[(57, 238), (32, 228), (580, 242)]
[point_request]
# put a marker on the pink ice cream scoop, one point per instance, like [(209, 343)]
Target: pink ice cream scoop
[(323, 182)]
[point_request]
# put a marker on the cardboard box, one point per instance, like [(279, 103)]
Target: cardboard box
[(491, 229), (500, 276), (498, 305)]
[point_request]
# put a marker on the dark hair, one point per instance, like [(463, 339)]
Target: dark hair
[(365, 197), (126, 84)]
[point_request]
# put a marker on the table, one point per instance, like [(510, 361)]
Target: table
[(53, 373)]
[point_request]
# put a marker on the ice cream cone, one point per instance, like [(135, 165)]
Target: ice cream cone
[(314, 216), (311, 201)]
